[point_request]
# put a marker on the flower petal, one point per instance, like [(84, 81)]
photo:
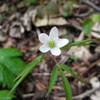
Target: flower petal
[(44, 38), (44, 48), (62, 42), (55, 51), (54, 33)]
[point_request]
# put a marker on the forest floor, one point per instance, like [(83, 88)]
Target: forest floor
[(20, 26)]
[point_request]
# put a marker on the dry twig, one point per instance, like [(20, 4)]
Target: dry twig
[(91, 4)]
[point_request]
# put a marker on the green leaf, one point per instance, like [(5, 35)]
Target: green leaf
[(29, 2), (10, 65), (41, 11), (10, 52), (74, 57), (15, 64), (80, 43), (26, 71), (96, 17), (30, 66), (71, 7), (66, 86), (7, 9), (87, 25), (65, 14), (68, 69), (52, 8), (52, 79), (69, 4), (6, 76), (4, 95)]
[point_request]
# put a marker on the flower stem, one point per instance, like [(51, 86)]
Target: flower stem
[(56, 62)]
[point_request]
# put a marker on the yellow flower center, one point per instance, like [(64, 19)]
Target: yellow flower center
[(51, 43)]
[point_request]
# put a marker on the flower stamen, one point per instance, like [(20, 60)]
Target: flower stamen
[(51, 43)]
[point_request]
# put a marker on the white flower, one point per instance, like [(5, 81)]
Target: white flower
[(52, 42)]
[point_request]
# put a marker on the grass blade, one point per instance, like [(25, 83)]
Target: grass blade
[(66, 86), (52, 79), (68, 69)]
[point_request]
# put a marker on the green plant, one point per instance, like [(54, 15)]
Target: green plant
[(41, 11), (51, 9), (73, 57), (66, 86), (28, 68), (95, 17), (58, 67), (4, 95), (87, 25), (68, 7), (7, 9), (80, 43), (65, 14), (89, 22), (29, 2), (10, 65)]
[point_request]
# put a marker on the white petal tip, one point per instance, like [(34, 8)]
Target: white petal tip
[(55, 51), (44, 48), (67, 41), (62, 42), (54, 27), (43, 38)]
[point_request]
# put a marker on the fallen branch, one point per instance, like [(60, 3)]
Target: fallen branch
[(91, 4), (81, 96), (86, 94), (84, 14)]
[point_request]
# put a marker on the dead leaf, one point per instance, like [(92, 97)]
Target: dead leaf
[(3, 37), (29, 87), (52, 21), (28, 17), (3, 8), (62, 31), (21, 4), (10, 43), (95, 83), (96, 28), (95, 96), (16, 30), (97, 49), (40, 86), (82, 53)]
